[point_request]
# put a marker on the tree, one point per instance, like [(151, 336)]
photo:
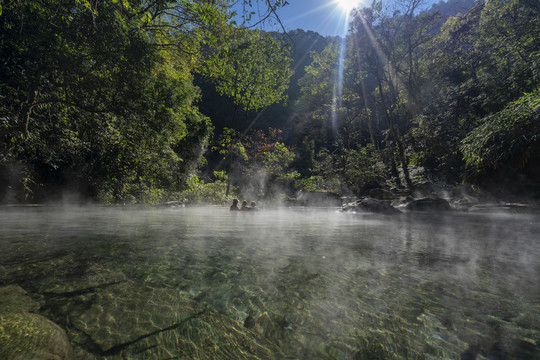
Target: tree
[(253, 69), (99, 96), (483, 60), (393, 49), (318, 95)]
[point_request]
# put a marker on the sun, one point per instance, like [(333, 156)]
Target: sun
[(347, 5)]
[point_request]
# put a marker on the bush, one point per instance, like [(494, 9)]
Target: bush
[(199, 192), (509, 139), (319, 183)]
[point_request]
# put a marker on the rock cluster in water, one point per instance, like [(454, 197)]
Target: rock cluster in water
[(428, 197)]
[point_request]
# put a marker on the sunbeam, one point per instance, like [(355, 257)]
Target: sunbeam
[(338, 81), (380, 54)]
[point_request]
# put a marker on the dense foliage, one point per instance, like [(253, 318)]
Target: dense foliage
[(428, 96), (98, 99), (506, 141)]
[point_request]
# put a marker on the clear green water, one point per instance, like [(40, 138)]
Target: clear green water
[(204, 283)]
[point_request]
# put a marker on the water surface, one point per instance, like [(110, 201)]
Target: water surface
[(205, 283)]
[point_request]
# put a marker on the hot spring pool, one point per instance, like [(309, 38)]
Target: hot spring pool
[(205, 283)]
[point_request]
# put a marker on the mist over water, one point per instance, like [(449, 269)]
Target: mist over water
[(148, 283)]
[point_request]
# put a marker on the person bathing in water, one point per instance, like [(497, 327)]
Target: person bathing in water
[(245, 207), (234, 206)]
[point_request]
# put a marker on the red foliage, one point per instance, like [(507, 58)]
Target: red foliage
[(259, 142)]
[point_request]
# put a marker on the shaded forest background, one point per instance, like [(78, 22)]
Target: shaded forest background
[(123, 101)]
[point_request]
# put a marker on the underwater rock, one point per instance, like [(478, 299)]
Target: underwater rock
[(32, 336), (265, 326), (92, 278), (134, 320), (371, 205), (26, 335), (429, 204), (249, 322), (13, 298)]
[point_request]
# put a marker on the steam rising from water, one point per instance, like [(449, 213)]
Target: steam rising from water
[(305, 283)]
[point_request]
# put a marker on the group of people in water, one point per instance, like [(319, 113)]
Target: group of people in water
[(244, 207)]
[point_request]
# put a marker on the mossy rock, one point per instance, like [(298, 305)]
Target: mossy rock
[(32, 336), (14, 299), (26, 335)]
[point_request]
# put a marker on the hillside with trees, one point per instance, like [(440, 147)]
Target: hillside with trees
[(136, 101)]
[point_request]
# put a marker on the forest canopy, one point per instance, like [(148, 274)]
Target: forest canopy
[(148, 101)]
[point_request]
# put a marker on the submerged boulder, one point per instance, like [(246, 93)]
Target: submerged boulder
[(264, 325), (26, 335), (429, 204), (13, 299), (32, 336), (371, 205)]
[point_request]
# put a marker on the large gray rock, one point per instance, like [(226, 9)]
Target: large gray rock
[(429, 204)]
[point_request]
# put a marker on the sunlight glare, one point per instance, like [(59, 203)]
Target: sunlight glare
[(347, 5)]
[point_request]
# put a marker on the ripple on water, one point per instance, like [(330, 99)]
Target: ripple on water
[(203, 283)]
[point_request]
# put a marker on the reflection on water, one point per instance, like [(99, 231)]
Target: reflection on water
[(204, 283)]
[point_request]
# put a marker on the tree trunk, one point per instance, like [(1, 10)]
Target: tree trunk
[(394, 171), (26, 109), (395, 135), (230, 155)]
